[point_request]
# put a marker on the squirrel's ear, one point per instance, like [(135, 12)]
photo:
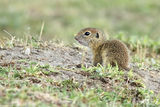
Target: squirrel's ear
[(97, 35)]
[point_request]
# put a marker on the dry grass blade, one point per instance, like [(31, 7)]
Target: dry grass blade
[(41, 32)]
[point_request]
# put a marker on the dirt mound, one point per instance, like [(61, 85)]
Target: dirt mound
[(67, 57)]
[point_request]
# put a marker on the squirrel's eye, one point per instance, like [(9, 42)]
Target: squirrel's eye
[(87, 33)]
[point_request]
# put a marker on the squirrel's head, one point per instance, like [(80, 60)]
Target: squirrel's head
[(91, 37)]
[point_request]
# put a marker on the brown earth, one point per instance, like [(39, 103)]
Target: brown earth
[(68, 58)]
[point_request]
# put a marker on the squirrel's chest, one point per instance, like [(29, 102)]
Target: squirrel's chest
[(98, 56)]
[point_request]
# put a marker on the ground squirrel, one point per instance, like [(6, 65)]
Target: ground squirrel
[(104, 51)]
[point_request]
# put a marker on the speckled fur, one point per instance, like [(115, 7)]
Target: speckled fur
[(104, 51)]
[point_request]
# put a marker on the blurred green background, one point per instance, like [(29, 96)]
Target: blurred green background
[(64, 18)]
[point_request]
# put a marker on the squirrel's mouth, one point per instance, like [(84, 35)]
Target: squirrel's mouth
[(78, 40), (81, 41)]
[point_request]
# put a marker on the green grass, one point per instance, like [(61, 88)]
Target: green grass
[(33, 86), (65, 18), (134, 22)]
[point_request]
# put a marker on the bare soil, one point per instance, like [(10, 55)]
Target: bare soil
[(68, 58)]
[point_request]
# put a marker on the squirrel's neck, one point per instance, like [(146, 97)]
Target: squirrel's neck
[(97, 47)]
